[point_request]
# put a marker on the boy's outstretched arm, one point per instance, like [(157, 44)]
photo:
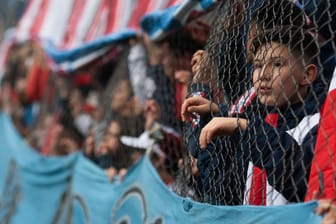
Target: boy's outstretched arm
[(221, 126)]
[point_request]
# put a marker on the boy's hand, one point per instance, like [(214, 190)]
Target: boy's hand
[(327, 208), (199, 105), (200, 67), (195, 61), (220, 126)]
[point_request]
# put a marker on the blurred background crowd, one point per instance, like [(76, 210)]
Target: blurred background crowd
[(129, 102), (113, 111)]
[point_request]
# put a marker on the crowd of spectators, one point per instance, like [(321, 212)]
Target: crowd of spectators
[(224, 108)]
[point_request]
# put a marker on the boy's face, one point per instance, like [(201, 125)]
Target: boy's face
[(277, 75)]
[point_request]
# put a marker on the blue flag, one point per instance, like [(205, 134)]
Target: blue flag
[(71, 189)]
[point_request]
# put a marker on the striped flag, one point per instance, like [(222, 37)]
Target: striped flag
[(76, 32), (159, 23), (70, 23)]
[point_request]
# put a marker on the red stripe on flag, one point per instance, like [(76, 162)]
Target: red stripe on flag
[(40, 18), (140, 10), (173, 2), (93, 28), (76, 15), (112, 16)]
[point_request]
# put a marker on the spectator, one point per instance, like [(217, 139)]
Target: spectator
[(160, 80), (126, 109), (111, 155), (82, 119), (170, 70), (65, 137), (282, 77), (266, 17)]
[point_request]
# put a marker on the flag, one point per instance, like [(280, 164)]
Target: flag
[(71, 189), (76, 32), (159, 23)]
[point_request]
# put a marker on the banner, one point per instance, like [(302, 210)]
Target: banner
[(76, 32), (71, 189), (157, 24)]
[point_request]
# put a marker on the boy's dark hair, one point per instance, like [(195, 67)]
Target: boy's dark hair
[(278, 13), (300, 42)]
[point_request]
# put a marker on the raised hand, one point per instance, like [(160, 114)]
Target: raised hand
[(196, 61), (198, 105), (200, 66), (152, 113), (220, 126)]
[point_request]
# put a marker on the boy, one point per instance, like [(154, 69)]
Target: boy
[(216, 164), (280, 137)]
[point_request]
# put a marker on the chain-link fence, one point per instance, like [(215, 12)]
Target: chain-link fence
[(230, 111), (271, 63)]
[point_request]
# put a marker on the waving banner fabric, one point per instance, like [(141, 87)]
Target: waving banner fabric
[(37, 189), (76, 32), (161, 22), (72, 27)]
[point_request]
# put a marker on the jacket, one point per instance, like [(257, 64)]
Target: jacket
[(281, 142)]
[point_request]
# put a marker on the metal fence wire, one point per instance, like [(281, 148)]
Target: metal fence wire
[(229, 119), (265, 72)]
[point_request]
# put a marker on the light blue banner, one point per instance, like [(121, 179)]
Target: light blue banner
[(40, 190)]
